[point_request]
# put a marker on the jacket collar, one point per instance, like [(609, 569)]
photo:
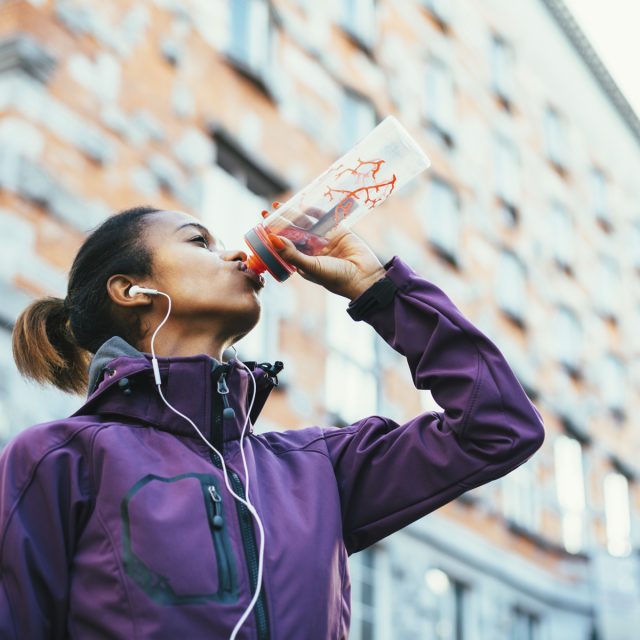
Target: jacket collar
[(124, 386)]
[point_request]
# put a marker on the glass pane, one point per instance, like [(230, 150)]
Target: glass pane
[(507, 171), (599, 193), (351, 392), (555, 137), (239, 40), (561, 234), (440, 96), (258, 36), (502, 67), (613, 382), (569, 476), (358, 119), (443, 226), (569, 473), (567, 337), (511, 285), (355, 342), (616, 497)]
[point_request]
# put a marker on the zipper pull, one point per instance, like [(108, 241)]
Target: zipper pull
[(223, 390), (218, 520)]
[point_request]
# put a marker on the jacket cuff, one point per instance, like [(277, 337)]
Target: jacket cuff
[(380, 294)]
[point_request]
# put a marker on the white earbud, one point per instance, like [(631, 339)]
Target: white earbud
[(135, 290)]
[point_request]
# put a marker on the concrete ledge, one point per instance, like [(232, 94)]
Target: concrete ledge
[(20, 52)]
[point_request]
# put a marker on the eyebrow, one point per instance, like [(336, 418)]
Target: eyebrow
[(204, 230)]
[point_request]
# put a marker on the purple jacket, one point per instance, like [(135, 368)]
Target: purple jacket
[(116, 523)]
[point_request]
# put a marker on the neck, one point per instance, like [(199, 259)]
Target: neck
[(175, 341)]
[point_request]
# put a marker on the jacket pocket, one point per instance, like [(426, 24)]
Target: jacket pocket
[(175, 540)]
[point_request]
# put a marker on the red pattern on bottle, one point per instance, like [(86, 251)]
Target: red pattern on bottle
[(381, 189)]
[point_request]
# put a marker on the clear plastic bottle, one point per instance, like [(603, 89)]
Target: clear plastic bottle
[(380, 164)]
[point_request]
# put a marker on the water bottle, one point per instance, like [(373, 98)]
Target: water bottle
[(361, 180)]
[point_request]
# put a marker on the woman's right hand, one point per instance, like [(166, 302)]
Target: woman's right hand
[(346, 266)]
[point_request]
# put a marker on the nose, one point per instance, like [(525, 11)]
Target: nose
[(234, 254)]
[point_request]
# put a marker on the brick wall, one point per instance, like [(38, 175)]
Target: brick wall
[(528, 218)]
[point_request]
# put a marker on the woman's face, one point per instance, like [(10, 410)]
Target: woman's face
[(205, 281)]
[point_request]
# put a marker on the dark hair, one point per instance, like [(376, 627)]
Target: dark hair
[(53, 338)]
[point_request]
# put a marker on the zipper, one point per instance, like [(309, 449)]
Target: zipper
[(244, 517), (216, 522), (217, 436)]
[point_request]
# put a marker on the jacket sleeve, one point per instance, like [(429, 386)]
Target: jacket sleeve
[(391, 474), (44, 499)]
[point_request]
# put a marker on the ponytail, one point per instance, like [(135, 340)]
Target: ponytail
[(53, 339), (44, 347)]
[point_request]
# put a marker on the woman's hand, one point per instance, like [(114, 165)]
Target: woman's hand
[(346, 265)]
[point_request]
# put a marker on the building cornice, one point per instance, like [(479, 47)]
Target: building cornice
[(20, 52), (585, 49)]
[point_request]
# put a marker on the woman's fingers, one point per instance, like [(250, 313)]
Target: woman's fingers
[(288, 252)]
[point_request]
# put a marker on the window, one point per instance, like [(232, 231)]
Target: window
[(502, 70), (447, 598), (511, 287), (358, 119), (250, 36), (561, 236), (556, 139), (441, 10), (617, 514), (350, 382), (370, 595), (524, 625), (359, 20), (507, 174), (521, 496), (570, 491), (443, 220), (567, 340), (237, 162), (440, 100), (612, 384), (606, 289), (599, 198)]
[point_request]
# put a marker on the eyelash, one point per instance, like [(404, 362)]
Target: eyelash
[(200, 239)]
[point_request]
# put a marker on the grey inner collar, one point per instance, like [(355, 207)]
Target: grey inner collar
[(111, 349)]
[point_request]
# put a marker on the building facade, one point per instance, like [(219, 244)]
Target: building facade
[(529, 219)]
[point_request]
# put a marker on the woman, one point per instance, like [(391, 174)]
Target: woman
[(120, 521)]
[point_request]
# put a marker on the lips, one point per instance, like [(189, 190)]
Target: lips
[(250, 273)]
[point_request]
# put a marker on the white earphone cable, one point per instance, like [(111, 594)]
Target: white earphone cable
[(247, 503)]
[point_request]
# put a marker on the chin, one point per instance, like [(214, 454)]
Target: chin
[(247, 318)]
